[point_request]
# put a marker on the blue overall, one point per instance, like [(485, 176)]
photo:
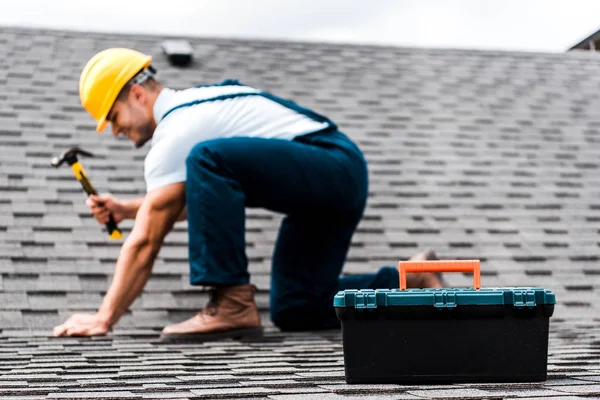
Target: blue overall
[(319, 181)]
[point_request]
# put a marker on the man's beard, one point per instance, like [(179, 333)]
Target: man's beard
[(146, 132)]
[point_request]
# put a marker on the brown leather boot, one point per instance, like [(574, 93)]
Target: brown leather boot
[(230, 313), (424, 279)]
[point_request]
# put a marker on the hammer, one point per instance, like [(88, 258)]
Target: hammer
[(70, 157)]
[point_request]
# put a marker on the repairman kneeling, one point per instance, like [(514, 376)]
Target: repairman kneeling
[(215, 150)]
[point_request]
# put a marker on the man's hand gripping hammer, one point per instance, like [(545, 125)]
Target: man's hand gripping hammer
[(70, 157)]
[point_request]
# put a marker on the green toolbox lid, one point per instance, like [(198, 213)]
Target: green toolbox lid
[(519, 297)]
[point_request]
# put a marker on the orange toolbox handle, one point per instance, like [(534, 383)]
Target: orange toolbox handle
[(440, 266)]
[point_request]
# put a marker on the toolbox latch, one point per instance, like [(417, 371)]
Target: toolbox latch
[(366, 299), (443, 299), (450, 300), (438, 300), (524, 299)]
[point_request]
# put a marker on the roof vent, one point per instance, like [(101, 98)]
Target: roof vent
[(179, 52)]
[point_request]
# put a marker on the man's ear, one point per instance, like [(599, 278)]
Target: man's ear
[(137, 91)]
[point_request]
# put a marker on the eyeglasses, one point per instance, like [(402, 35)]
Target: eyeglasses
[(142, 76)]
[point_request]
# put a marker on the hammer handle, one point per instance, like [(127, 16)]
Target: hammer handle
[(111, 226), (113, 230)]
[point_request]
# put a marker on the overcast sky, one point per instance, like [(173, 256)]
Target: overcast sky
[(532, 25)]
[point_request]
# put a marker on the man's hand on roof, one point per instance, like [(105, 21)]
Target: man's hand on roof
[(83, 325)]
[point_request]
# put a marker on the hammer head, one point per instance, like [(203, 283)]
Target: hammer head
[(69, 156)]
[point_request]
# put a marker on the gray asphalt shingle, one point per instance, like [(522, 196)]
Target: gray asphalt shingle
[(477, 154)]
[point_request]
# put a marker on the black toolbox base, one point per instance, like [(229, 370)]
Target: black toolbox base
[(442, 347), (443, 379)]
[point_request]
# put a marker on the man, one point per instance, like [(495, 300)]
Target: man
[(215, 150)]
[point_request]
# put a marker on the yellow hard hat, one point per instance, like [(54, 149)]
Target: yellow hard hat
[(104, 76)]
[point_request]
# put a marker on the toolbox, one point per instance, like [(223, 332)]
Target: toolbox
[(445, 335)]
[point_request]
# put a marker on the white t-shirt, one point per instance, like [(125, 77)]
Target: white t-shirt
[(187, 117)]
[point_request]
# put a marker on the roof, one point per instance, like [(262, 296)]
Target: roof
[(585, 43), (476, 154)]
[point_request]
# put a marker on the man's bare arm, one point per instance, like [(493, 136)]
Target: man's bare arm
[(102, 205), (183, 214), (155, 218), (131, 207)]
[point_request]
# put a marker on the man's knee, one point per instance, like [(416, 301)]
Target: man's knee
[(305, 318), (290, 319)]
